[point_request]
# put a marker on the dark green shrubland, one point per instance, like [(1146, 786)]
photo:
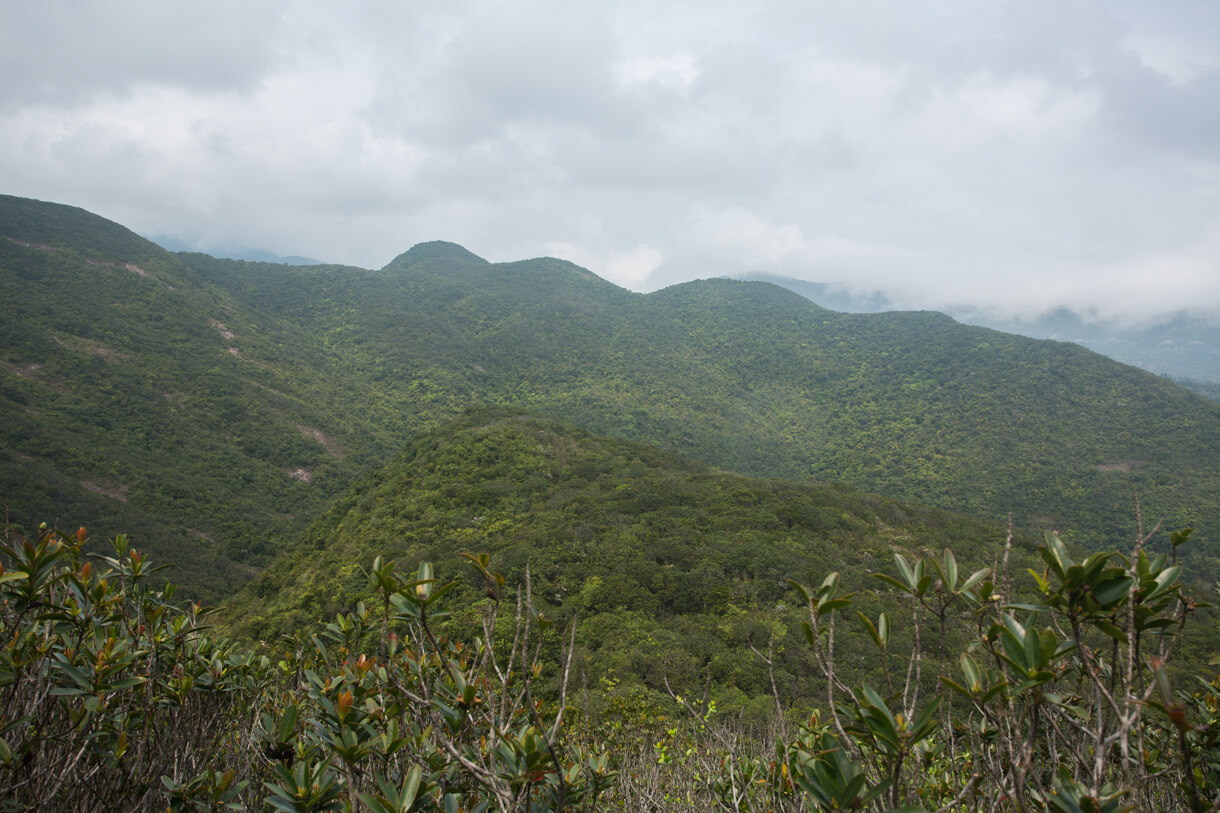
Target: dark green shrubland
[(986, 696), (117, 699)]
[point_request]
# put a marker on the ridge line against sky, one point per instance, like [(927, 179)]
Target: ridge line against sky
[(1017, 156)]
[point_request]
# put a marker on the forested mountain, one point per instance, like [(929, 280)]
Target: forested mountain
[(1183, 346), (136, 397), (671, 566), (213, 408)]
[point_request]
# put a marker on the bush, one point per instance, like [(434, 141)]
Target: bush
[(1058, 702), (115, 697)]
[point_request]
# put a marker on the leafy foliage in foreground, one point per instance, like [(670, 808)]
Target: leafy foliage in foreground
[(1061, 702), (116, 698), (1067, 697)]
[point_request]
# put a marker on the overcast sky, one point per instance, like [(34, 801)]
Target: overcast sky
[(1020, 155)]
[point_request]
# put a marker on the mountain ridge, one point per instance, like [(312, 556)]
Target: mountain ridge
[(1180, 345), (206, 388)]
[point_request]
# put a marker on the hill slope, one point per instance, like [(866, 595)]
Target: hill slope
[(671, 565), (754, 378), (1183, 346), (214, 407), (137, 398)]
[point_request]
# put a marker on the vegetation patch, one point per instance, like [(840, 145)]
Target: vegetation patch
[(988, 696)]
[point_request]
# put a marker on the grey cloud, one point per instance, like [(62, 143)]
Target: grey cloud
[(1011, 153), (1144, 106), (502, 67), (54, 51)]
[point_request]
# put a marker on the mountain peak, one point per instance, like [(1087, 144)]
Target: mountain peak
[(56, 225), (434, 250)]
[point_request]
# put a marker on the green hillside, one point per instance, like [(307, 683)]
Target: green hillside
[(753, 378), (671, 566), (135, 396), (214, 408)]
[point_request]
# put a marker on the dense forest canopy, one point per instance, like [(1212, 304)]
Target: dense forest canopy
[(214, 408), (668, 564)]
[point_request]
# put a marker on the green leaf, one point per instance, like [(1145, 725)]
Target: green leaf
[(975, 577), (126, 683), (1043, 585), (1014, 626), (1179, 537), (962, 690), (410, 787), (288, 723), (802, 589), (888, 579), (1032, 646), (1112, 591), (77, 676), (871, 628), (1000, 687), (1055, 554), (924, 723), (1110, 630), (971, 670), (1164, 580), (875, 791), (907, 574), (830, 605)]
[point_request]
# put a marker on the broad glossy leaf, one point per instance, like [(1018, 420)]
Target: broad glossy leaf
[(1111, 592), (905, 569), (950, 571), (1110, 630)]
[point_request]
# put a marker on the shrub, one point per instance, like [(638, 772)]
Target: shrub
[(115, 697), (1061, 701)]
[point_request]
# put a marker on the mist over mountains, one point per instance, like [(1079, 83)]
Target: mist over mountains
[(1180, 345), (230, 253)]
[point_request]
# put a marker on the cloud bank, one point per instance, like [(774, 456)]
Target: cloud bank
[(1016, 156)]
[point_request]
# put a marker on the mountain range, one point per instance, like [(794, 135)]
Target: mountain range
[(1183, 346), (216, 409)]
